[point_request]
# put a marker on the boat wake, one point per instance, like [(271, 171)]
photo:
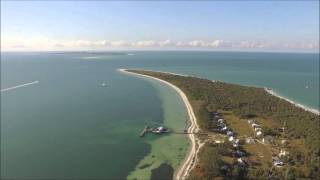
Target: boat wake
[(19, 86)]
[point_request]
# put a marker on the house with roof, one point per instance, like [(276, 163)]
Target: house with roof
[(224, 128), (277, 161), (220, 121), (218, 141), (259, 133), (283, 153), (254, 125), (239, 153), (241, 162), (230, 133), (268, 140), (250, 140), (231, 138), (235, 144)]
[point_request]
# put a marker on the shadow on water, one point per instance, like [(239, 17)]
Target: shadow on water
[(164, 171)]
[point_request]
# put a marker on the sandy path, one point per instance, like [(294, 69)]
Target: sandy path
[(191, 158)]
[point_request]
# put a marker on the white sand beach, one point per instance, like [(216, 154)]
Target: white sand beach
[(270, 91), (191, 158)]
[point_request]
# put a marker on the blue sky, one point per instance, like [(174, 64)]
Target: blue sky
[(103, 25)]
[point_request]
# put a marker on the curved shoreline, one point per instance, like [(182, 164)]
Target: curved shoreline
[(189, 162), (314, 111), (268, 90), (191, 158)]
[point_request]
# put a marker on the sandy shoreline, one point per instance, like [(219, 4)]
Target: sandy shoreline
[(189, 162), (315, 111), (191, 158), (268, 90)]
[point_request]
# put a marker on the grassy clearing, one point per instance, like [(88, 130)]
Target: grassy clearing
[(259, 154), (239, 126)]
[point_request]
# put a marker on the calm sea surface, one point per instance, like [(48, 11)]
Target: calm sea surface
[(69, 126)]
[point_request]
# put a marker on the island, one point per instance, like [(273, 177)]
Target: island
[(241, 132)]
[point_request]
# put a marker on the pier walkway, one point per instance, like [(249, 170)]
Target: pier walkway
[(148, 129)]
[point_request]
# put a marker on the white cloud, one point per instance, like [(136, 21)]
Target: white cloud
[(220, 44), (180, 44), (144, 43), (43, 43), (120, 43), (197, 43), (165, 43)]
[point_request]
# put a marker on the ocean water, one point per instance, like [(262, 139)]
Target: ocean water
[(69, 126)]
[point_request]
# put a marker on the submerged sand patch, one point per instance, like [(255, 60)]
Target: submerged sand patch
[(165, 149)]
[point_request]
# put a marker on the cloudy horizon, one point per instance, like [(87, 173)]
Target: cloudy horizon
[(60, 26), (56, 45)]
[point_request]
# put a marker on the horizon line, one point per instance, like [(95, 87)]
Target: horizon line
[(157, 50)]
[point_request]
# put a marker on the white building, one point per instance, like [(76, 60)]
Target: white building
[(254, 125), (224, 128), (220, 120), (278, 163), (240, 161), (235, 144), (231, 138), (250, 140), (230, 133), (283, 153), (259, 133), (218, 141)]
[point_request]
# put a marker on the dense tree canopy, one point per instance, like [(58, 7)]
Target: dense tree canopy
[(249, 102)]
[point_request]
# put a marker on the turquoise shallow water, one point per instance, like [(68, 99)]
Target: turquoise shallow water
[(69, 126)]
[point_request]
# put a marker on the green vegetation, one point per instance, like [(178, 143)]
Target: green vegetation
[(239, 103), (209, 163)]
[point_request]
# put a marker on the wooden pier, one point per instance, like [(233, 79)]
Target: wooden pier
[(144, 131), (147, 129)]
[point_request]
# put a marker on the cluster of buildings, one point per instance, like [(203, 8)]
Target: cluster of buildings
[(219, 122), (222, 127), (256, 127), (267, 140), (258, 130), (278, 159)]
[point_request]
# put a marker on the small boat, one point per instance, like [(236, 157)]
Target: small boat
[(307, 87), (103, 84), (160, 130)]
